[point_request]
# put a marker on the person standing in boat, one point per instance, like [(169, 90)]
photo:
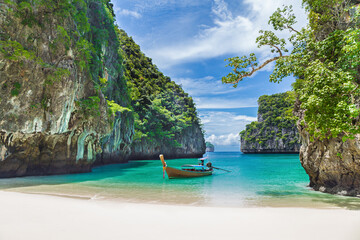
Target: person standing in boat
[(209, 165), (201, 161)]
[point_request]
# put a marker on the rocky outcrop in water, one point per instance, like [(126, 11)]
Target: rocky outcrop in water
[(333, 166), (275, 131), (210, 147), (189, 146)]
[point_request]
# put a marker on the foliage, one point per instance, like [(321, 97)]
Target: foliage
[(209, 145), (83, 53), (276, 116), (325, 59), (89, 106), (163, 109), (25, 11), (114, 108), (62, 38), (105, 59), (16, 89), (57, 75), (75, 34), (14, 51)]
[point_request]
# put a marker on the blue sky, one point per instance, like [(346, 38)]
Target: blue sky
[(189, 39)]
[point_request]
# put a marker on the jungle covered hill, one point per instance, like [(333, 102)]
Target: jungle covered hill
[(67, 101), (275, 131), (166, 120), (324, 59)]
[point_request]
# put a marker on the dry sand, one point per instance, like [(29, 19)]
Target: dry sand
[(28, 216)]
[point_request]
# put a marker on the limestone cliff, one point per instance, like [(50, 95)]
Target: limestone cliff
[(64, 100), (166, 120), (190, 145), (54, 114), (210, 147), (275, 131), (333, 166)]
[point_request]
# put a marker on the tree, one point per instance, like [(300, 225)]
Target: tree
[(325, 59)]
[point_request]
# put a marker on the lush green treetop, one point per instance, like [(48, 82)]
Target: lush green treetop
[(209, 145), (276, 120), (324, 57), (162, 108)]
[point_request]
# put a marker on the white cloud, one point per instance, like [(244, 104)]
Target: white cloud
[(206, 86), (229, 34), (126, 12), (223, 140), (148, 5), (208, 92), (223, 127), (246, 118), (224, 103), (220, 10)]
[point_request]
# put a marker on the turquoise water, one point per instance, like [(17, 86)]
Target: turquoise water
[(270, 180)]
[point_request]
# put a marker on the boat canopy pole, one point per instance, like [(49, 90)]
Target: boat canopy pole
[(163, 163)]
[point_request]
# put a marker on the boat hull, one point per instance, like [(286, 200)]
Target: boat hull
[(177, 173)]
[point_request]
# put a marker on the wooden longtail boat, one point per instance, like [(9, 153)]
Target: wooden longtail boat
[(187, 171)]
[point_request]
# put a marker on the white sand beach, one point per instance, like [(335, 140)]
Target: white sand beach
[(29, 216)]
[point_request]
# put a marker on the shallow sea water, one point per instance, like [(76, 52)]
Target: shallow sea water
[(255, 180)]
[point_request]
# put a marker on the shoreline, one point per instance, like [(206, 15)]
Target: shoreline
[(34, 216), (279, 204), (128, 197)]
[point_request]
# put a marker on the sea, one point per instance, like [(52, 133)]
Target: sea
[(255, 180)]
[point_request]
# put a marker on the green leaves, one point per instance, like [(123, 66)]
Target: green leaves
[(14, 51), (163, 109), (114, 108), (276, 112), (269, 38), (246, 66), (16, 89), (240, 68), (83, 53), (283, 19), (324, 58), (90, 106), (57, 75)]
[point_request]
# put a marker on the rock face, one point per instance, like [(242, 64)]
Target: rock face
[(275, 131), (64, 100), (190, 146), (53, 119), (210, 147), (333, 166)]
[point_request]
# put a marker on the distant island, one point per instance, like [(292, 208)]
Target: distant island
[(210, 147), (275, 131)]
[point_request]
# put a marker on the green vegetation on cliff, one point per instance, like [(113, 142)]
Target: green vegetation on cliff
[(64, 84), (325, 59), (83, 28), (162, 108), (210, 147), (276, 122)]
